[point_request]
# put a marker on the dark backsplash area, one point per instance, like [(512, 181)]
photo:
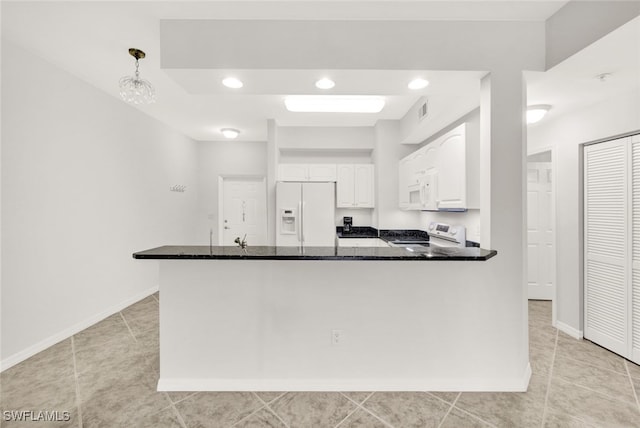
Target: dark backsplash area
[(357, 232), (372, 232)]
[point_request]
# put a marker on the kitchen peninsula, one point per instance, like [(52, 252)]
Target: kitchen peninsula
[(327, 319)]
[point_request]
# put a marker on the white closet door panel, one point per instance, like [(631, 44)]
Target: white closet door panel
[(635, 316), (634, 307), (606, 204)]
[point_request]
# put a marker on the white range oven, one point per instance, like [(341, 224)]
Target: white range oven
[(446, 235)]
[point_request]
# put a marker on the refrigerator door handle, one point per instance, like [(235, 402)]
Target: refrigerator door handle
[(302, 223), (299, 222)]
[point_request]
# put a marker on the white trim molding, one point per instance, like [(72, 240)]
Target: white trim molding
[(476, 385), (565, 328), (19, 357)]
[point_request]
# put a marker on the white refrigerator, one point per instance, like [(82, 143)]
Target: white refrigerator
[(305, 214)]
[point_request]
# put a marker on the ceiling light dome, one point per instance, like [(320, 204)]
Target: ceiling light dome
[(232, 82), (230, 133), (418, 84), (325, 83), (537, 112), (134, 89)]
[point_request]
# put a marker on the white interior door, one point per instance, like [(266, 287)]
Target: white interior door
[(606, 242), (244, 211), (634, 297), (541, 252)]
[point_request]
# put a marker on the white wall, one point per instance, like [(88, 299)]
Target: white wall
[(566, 134), (223, 158), (580, 23), (326, 138), (387, 154), (336, 144), (85, 183)]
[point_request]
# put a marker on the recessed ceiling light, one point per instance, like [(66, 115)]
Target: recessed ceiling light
[(537, 112), (334, 103), (325, 83), (232, 82), (418, 84), (230, 132)]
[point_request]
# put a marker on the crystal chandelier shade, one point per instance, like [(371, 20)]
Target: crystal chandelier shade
[(134, 89)]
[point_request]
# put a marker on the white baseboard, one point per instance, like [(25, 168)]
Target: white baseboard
[(486, 384), (18, 357), (565, 328)]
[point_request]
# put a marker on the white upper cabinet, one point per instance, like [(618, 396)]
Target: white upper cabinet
[(355, 186), (403, 181), (451, 169), (435, 176), (306, 172), (345, 186)]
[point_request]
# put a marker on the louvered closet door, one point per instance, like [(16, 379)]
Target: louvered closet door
[(606, 240), (634, 306)]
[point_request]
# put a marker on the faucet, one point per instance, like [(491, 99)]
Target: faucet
[(243, 243)]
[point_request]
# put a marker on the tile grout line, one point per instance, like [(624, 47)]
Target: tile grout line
[(598, 367), (179, 415), (75, 375), (633, 388), (610, 397), (182, 399), (128, 328), (474, 416), (361, 406), (449, 409), (262, 406), (155, 298), (266, 406), (546, 395), (351, 412)]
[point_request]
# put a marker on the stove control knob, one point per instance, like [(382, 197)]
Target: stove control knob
[(431, 226), (453, 231)]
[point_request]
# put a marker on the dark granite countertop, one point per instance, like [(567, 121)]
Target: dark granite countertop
[(316, 253), (357, 232)]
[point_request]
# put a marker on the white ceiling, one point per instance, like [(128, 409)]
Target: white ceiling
[(572, 84), (90, 39)]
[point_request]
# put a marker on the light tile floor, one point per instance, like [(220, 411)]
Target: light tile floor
[(106, 375)]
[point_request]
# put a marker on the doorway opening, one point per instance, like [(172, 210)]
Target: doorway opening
[(541, 245), (242, 209)]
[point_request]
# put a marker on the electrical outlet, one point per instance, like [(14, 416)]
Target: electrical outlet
[(336, 337)]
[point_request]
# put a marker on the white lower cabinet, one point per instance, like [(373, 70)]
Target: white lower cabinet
[(362, 242), (355, 186), (612, 245)]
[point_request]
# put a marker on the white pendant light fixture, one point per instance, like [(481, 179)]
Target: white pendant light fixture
[(134, 89), (232, 82), (325, 83), (334, 103), (230, 133), (418, 84), (537, 112)]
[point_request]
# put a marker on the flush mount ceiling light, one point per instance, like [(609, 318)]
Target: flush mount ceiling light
[(418, 84), (133, 89), (325, 83), (537, 112), (232, 82), (334, 103), (230, 133)]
